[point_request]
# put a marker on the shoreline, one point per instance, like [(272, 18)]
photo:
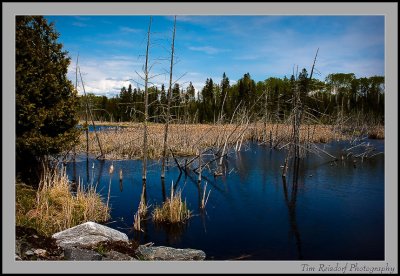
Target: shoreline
[(189, 139)]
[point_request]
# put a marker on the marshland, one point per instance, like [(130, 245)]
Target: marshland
[(277, 169)]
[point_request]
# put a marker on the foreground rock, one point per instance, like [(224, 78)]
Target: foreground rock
[(117, 256), (78, 254), (29, 245), (163, 253), (91, 242), (86, 234)]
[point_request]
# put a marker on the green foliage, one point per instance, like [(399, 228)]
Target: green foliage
[(325, 100), (45, 99)]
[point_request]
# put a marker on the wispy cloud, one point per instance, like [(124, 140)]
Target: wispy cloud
[(129, 30), (206, 46), (207, 49), (79, 24), (117, 43), (82, 18)]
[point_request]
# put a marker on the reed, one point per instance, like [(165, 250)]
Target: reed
[(54, 208), (110, 172), (204, 199), (126, 143), (140, 213), (173, 210)]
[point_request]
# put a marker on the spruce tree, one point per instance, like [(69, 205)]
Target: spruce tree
[(46, 102)]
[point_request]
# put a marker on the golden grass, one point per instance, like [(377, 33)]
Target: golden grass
[(173, 210), (53, 208), (140, 213), (377, 132), (186, 140)]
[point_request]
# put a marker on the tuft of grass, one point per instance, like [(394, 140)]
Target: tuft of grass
[(173, 210), (377, 132), (53, 207), (101, 249)]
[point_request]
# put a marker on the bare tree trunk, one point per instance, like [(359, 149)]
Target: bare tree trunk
[(146, 105), (91, 117), (76, 90), (222, 108), (265, 116), (228, 136), (199, 177), (168, 105)]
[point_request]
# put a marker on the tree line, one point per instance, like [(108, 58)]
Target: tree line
[(341, 94), (48, 107)]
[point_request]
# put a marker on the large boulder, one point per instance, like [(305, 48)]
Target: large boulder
[(163, 253), (79, 254), (87, 234), (117, 256)]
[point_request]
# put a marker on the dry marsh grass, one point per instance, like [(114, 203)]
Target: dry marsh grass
[(377, 132), (173, 210), (140, 213), (186, 140), (54, 208)]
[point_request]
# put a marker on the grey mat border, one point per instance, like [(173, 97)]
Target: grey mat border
[(389, 10)]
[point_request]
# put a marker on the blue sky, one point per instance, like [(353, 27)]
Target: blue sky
[(112, 48)]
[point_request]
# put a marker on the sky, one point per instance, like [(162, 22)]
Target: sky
[(112, 48)]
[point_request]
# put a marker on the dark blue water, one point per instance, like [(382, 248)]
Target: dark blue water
[(102, 128), (334, 211)]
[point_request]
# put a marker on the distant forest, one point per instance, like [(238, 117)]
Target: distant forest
[(340, 95)]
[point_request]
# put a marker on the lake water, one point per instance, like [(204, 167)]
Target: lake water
[(335, 210), (102, 128)]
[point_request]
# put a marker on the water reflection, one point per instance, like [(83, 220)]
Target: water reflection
[(164, 196), (173, 231), (290, 201), (142, 234), (327, 205)]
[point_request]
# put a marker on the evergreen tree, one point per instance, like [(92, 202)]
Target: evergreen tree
[(46, 102)]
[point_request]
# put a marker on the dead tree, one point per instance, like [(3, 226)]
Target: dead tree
[(88, 111), (146, 105), (266, 117), (168, 104), (297, 114)]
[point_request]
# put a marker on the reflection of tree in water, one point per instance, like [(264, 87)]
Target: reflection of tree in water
[(291, 204), (242, 170), (173, 231), (143, 235)]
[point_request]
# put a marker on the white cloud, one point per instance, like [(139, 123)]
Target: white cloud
[(103, 76), (207, 49)]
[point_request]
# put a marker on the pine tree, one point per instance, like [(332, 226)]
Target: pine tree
[(46, 102)]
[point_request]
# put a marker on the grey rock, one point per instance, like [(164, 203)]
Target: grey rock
[(78, 254), (19, 247), (29, 253), (117, 256), (17, 258), (163, 253), (88, 233), (40, 252)]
